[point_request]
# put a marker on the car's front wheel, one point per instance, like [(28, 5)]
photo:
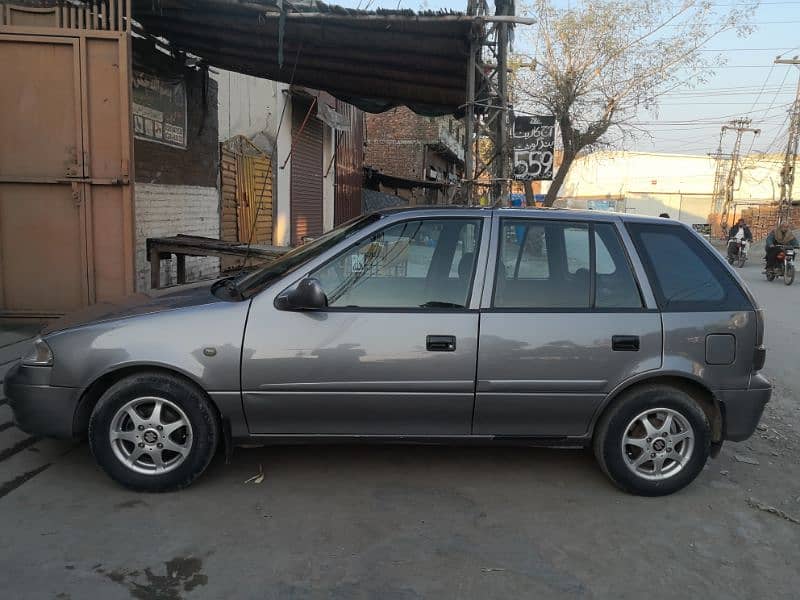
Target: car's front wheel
[(653, 441), (153, 432)]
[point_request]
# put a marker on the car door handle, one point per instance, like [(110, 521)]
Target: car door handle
[(625, 343), (441, 343)]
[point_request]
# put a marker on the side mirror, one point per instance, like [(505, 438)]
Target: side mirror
[(307, 295)]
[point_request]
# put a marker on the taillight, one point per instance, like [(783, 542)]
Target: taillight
[(780, 255)]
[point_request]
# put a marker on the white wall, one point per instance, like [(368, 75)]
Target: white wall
[(281, 212), (247, 106), (616, 174), (166, 210)]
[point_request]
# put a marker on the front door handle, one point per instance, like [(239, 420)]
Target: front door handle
[(625, 343), (441, 343)]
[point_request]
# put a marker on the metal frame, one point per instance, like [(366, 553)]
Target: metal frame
[(487, 103)]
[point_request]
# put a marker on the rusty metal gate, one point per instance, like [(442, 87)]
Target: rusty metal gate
[(66, 215)]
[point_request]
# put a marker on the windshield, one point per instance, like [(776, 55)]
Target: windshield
[(251, 283)]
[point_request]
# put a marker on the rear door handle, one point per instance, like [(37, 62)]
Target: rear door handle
[(441, 343), (625, 343)]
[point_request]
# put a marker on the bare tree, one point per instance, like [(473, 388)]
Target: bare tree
[(600, 62)]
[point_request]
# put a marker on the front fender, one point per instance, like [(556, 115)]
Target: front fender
[(201, 342)]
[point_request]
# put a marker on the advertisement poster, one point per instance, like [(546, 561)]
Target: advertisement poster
[(159, 110)]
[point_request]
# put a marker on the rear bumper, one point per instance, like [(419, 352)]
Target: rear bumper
[(39, 408), (742, 409)]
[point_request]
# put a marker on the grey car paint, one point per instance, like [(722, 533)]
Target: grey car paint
[(527, 382), (293, 365), (361, 372)]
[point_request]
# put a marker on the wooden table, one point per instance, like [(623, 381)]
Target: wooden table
[(182, 246)]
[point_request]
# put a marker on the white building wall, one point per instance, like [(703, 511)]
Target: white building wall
[(247, 106), (617, 173), (681, 185), (281, 209), (163, 210)]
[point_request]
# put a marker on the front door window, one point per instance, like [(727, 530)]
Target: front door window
[(426, 263)]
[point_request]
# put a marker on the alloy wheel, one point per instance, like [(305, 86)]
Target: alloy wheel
[(657, 443), (151, 435)]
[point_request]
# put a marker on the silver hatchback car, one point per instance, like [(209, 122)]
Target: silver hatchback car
[(447, 325)]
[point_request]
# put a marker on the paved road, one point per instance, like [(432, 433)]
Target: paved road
[(404, 523)]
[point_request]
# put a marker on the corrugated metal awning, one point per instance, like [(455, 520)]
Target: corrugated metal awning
[(373, 60)]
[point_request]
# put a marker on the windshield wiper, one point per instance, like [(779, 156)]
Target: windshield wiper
[(438, 304), (229, 283)]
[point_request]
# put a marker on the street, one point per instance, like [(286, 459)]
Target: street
[(397, 522)]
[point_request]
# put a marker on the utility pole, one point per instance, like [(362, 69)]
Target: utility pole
[(487, 101), (723, 193), (790, 158)]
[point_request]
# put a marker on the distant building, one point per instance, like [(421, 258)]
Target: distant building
[(649, 184), (404, 145)]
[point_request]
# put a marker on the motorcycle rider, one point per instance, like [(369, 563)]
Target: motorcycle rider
[(780, 236), (740, 231)]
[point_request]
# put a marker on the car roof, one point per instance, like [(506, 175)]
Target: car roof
[(537, 212)]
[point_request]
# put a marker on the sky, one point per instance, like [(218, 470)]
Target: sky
[(748, 85)]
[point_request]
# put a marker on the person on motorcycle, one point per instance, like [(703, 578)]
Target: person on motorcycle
[(780, 236), (739, 232)]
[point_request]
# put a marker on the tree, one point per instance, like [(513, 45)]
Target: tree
[(600, 62)]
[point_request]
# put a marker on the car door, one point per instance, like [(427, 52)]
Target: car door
[(563, 322), (396, 349)]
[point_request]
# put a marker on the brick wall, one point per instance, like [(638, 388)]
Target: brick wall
[(396, 142), (165, 210)]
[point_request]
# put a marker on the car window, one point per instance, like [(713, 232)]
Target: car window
[(685, 275), (543, 265), (426, 263), (615, 284)]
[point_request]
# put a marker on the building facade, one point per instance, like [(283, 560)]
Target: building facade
[(405, 145), (679, 185)]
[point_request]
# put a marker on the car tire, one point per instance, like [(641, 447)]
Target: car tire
[(622, 439), (146, 452)]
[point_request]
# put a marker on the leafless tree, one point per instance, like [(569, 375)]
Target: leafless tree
[(599, 63)]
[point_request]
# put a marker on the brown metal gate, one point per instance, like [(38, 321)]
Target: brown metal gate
[(66, 217), (306, 178)]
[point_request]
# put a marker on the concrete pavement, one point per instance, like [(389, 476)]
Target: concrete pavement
[(417, 522)]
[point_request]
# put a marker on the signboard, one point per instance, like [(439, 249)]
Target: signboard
[(159, 110), (534, 141)]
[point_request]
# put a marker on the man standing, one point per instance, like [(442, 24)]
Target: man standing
[(778, 237)]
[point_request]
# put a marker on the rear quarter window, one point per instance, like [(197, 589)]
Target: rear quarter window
[(686, 275)]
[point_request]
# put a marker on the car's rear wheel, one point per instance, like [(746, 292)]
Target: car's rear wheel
[(653, 440), (153, 432)]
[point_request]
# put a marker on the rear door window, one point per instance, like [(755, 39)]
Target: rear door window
[(684, 273), (548, 265)]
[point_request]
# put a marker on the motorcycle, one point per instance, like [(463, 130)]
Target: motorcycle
[(784, 266), (737, 252)]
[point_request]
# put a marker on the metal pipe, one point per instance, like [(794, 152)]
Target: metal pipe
[(469, 122)]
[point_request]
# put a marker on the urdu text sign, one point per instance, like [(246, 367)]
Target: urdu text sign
[(534, 141)]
